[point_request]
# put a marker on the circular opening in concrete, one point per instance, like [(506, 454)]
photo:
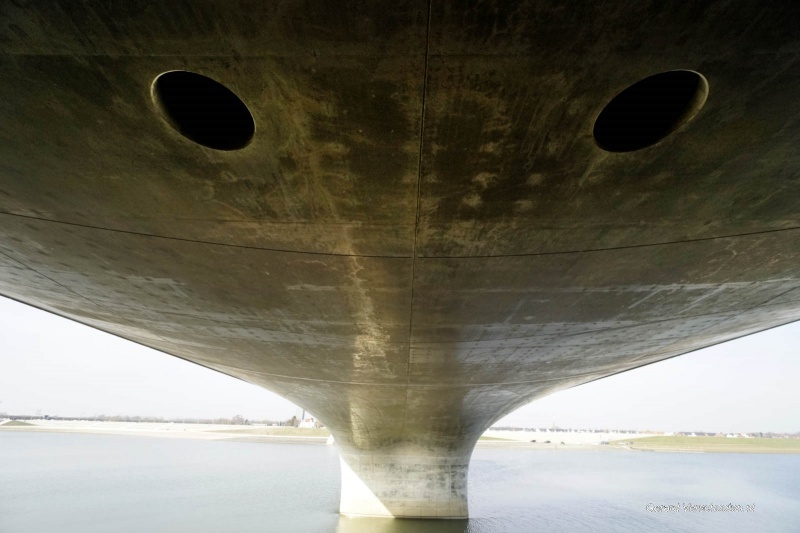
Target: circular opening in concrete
[(649, 110), (203, 110)]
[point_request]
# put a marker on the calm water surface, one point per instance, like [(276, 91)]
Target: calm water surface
[(107, 483)]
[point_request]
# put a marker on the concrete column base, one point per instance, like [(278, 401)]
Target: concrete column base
[(404, 482)]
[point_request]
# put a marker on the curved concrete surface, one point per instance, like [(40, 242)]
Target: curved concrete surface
[(422, 234)]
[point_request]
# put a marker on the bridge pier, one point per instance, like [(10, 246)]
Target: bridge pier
[(405, 480)]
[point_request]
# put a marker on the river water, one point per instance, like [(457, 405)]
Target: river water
[(69, 483)]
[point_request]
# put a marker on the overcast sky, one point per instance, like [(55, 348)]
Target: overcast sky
[(59, 367)]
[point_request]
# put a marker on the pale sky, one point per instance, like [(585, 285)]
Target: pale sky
[(62, 368)]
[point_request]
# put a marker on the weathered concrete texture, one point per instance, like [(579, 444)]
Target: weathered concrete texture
[(422, 234)]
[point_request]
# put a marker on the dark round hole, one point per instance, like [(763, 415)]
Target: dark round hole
[(203, 110), (649, 110)]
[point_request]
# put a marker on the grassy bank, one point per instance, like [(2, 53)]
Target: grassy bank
[(712, 444)]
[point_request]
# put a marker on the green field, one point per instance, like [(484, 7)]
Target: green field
[(16, 423), (712, 444)]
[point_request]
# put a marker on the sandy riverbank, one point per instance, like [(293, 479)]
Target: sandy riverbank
[(571, 438), (240, 433), (172, 431), (491, 439)]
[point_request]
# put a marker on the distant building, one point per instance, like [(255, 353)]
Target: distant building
[(308, 423)]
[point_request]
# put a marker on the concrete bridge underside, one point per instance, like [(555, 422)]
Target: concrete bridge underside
[(423, 233)]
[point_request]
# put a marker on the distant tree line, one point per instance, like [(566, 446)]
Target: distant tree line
[(237, 420)]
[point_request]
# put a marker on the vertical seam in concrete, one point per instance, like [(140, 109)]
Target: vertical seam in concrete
[(416, 211)]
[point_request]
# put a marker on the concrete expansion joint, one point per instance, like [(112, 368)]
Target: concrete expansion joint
[(413, 256)]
